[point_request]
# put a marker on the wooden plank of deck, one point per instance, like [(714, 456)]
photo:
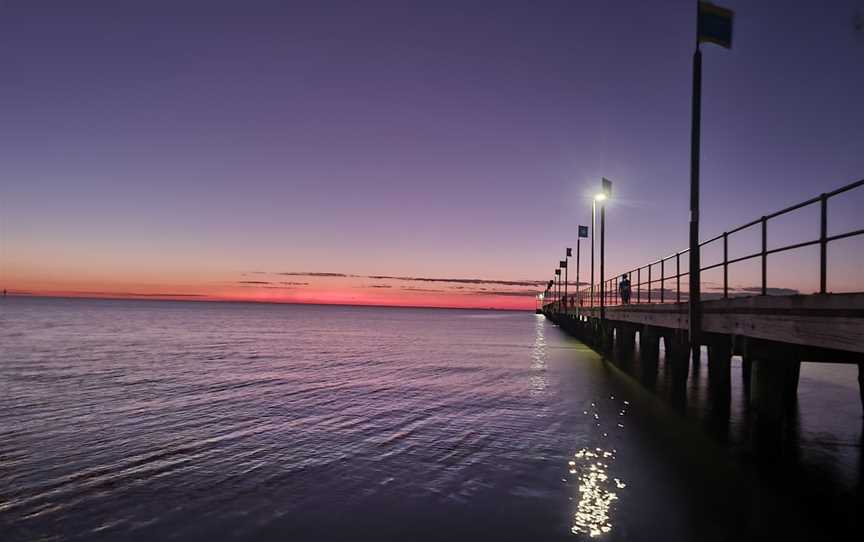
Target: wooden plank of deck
[(833, 321)]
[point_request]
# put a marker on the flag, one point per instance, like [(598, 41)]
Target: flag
[(569, 252), (715, 25), (558, 272), (583, 231), (562, 264)]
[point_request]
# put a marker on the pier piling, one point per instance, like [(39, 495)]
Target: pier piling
[(649, 353), (719, 377)]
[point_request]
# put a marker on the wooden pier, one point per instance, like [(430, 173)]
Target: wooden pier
[(772, 333)]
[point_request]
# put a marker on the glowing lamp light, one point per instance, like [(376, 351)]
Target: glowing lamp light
[(600, 197)]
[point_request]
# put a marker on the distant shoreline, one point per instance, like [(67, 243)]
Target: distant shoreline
[(193, 299)]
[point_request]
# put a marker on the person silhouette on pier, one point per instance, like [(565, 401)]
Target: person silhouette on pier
[(624, 289)]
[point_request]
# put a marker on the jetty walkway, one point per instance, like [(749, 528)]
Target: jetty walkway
[(772, 333)]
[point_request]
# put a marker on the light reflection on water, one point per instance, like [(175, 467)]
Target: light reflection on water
[(538, 357), (598, 489)]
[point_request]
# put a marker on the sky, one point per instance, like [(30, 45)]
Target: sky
[(410, 153)]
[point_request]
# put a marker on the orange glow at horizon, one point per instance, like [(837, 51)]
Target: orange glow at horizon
[(321, 292)]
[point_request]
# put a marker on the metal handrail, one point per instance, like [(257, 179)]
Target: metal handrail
[(582, 297)]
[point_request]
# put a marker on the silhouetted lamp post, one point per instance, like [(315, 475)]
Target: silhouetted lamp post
[(563, 265), (605, 193), (593, 229), (558, 295), (583, 232)]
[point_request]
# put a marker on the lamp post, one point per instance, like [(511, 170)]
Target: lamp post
[(593, 228), (563, 264), (583, 232), (558, 295), (605, 193)]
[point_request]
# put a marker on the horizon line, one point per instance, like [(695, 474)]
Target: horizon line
[(257, 302)]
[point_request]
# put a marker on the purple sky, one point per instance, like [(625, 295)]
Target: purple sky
[(177, 145)]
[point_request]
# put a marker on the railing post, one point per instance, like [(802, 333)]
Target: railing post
[(764, 256), (639, 285), (662, 277), (725, 265), (678, 277), (649, 283), (823, 244)]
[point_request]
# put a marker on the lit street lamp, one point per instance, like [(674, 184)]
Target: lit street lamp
[(605, 193)]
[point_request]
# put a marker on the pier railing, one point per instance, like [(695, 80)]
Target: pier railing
[(660, 281)]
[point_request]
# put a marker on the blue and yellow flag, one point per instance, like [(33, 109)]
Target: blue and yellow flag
[(715, 25)]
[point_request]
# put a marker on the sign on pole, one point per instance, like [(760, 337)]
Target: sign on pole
[(715, 25), (583, 231)]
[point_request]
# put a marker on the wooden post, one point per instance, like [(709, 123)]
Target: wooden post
[(764, 256), (678, 363), (625, 339), (678, 354), (861, 381), (649, 350), (607, 337), (768, 394), (746, 371), (823, 243), (719, 357)]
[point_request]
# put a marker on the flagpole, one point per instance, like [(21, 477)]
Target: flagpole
[(566, 269), (558, 274), (555, 276), (695, 276), (578, 297)]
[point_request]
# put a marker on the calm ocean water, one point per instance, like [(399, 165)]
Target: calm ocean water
[(154, 420)]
